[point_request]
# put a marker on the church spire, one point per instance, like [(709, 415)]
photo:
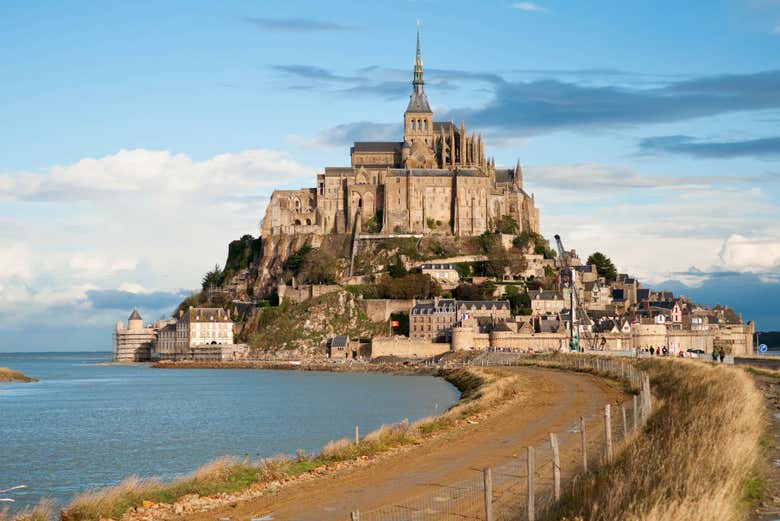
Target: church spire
[(418, 66), (418, 102)]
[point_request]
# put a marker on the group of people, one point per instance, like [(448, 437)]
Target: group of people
[(719, 354)]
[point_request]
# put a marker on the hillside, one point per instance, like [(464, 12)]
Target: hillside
[(301, 330)]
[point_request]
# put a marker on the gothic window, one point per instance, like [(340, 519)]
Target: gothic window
[(425, 124)]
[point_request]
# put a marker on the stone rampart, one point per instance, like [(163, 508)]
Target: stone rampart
[(404, 347), (379, 310)]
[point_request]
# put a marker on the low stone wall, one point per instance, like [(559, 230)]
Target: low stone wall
[(379, 310), (404, 347), (450, 260), (306, 292)]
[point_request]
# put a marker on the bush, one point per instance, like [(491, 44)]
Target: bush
[(413, 285)]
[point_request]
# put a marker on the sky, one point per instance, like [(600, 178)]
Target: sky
[(138, 138)]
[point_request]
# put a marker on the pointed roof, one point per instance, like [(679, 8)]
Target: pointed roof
[(418, 101), (135, 315)]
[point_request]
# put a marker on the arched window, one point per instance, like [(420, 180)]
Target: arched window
[(308, 222), (297, 222), (425, 124)]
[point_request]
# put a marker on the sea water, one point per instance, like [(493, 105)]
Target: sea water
[(86, 425)]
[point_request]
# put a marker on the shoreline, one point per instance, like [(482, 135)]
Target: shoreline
[(482, 394), (400, 368)]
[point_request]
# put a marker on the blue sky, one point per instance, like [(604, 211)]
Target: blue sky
[(138, 139)]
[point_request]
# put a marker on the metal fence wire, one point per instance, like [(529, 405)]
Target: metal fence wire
[(523, 486)]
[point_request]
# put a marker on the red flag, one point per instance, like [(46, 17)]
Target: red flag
[(394, 323)]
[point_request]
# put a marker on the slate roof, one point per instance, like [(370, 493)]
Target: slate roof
[(418, 102), (438, 126), (376, 146), (339, 341), (487, 304), (504, 175), (546, 294), (431, 308), (207, 315), (135, 315)]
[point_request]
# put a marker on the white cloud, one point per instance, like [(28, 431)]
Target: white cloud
[(131, 287), (100, 266), (744, 254), (530, 7), (139, 220), (777, 29), (153, 172)]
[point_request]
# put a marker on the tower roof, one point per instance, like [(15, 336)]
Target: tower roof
[(418, 101), (135, 315)]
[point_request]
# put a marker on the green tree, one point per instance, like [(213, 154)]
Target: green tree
[(519, 301), (212, 278), (318, 267), (507, 224), (604, 266), (397, 269)]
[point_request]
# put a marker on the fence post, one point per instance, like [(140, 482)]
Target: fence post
[(583, 442), (556, 466), (530, 472), (487, 479), (625, 423), (636, 413), (357, 435), (608, 432), (354, 516)]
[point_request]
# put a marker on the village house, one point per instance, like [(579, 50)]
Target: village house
[(445, 274)]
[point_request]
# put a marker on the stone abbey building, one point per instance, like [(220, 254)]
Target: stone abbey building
[(436, 181)]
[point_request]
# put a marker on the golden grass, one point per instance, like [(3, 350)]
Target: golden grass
[(9, 375), (481, 389), (221, 475), (41, 512), (699, 456)]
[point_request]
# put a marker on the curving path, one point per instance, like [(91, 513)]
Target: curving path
[(553, 400)]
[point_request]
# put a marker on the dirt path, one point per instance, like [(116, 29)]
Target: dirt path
[(553, 401), (769, 508)]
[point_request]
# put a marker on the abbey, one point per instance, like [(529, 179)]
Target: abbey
[(436, 181)]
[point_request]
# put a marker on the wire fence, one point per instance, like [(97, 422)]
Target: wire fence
[(523, 487)]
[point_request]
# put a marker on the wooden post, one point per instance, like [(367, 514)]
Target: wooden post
[(625, 422), (357, 435), (487, 478), (556, 466), (530, 503), (354, 516), (608, 432), (636, 413), (584, 444)]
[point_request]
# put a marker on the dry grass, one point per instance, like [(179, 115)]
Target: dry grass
[(9, 375), (43, 511), (481, 389), (699, 457), (222, 475)]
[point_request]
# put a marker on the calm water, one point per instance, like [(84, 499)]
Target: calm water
[(88, 425)]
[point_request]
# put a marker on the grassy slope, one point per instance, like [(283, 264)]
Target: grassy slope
[(699, 456), (481, 390), (290, 326)]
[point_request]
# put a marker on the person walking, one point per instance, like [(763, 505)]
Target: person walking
[(665, 351), (721, 354), (714, 355), (652, 350)]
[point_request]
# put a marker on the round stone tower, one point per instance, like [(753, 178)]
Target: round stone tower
[(135, 321), (462, 338)]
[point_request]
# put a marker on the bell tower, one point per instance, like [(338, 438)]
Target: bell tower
[(418, 118)]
